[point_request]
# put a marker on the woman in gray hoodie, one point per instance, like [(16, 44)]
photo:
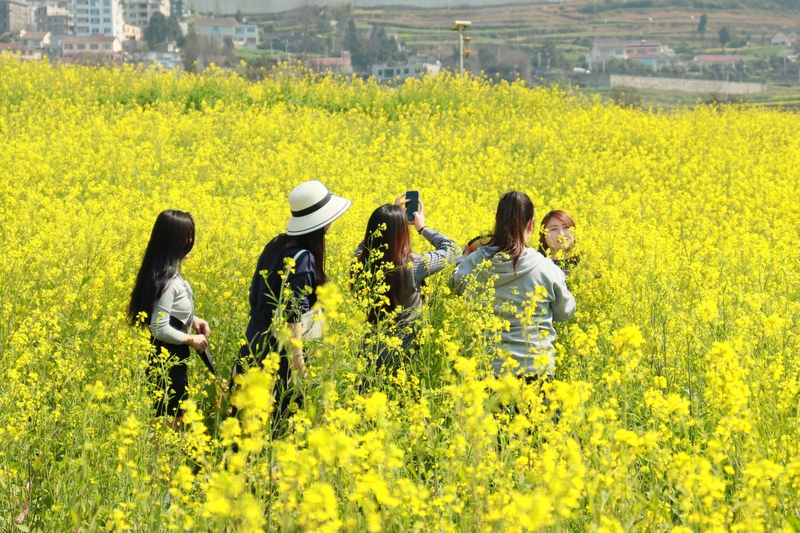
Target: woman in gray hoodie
[(516, 271)]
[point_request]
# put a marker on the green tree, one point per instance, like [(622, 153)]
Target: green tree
[(724, 36), (239, 16), (361, 54), (161, 30), (701, 28)]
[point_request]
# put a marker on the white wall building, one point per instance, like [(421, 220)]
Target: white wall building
[(221, 29), (35, 39), (98, 17), (416, 67), (139, 13)]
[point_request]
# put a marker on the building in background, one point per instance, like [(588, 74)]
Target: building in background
[(133, 33), (139, 13), (784, 39), (36, 40), (415, 67), (336, 65), (13, 16), (98, 17), (169, 60), (55, 19), (23, 51), (222, 29), (103, 47), (720, 59), (651, 53)]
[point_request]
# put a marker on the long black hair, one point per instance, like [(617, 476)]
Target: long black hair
[(387, 232), (514, 212), (172, 238), (314, 242)]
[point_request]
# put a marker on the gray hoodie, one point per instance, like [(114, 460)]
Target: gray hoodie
[(524, 342)]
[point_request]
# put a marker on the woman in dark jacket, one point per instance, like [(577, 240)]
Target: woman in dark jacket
[(313, 211)]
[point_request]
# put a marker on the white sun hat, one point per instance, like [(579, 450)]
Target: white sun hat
[(313, 207)]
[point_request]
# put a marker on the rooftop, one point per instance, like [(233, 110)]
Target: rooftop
[(326, 61), (213, 21), (728, 58), (34, 35), (617, 43), (94, 38)]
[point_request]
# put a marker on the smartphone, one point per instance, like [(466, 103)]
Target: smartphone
[(413, 204)]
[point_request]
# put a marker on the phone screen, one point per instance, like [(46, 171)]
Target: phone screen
[(413, 204)]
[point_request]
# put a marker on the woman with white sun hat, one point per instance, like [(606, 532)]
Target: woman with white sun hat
[(313, 210)]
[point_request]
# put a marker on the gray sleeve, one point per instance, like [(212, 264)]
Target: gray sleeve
[(463, 267), (159, 319), (432, 262), (359, 249), (563, 304)]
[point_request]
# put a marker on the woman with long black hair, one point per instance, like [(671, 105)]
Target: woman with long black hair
[(164, 300), (387, 246), (313, 211)]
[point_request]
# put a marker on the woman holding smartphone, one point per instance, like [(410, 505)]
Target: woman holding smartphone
[(387, 246), (313, 211), (166, 301), (518, 271)]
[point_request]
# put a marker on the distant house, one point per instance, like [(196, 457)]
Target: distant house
[(651, 53), (724, 59), (133, 33), (784, 39), (336, 65), (223, 29), (23, 51), (35, 39), (106, 46), (168, 60), (416, 67)]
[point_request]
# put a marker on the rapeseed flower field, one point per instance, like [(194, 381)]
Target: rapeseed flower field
[(677, 382)]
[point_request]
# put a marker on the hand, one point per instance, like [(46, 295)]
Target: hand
[(474, 244), (419, 217), (201, 327), (198, 342), (400, 201)]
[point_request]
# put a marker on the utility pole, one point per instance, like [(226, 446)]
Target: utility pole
[(461, 27)]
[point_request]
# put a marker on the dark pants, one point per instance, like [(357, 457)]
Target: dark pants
[(169, 378), (389, 360), (252, 355)]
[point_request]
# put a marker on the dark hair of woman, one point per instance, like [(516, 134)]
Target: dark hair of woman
[(171, 239), (558, 214), (514, 212), (387, 231), (314, 242)]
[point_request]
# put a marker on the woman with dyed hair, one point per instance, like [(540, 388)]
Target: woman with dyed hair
[(556, 239), (387, 246), (518, 271), (166, 302)]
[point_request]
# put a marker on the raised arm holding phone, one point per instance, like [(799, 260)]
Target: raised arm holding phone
[(387, 245)]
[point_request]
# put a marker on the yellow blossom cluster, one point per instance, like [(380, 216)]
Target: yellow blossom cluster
[(674, 405)]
